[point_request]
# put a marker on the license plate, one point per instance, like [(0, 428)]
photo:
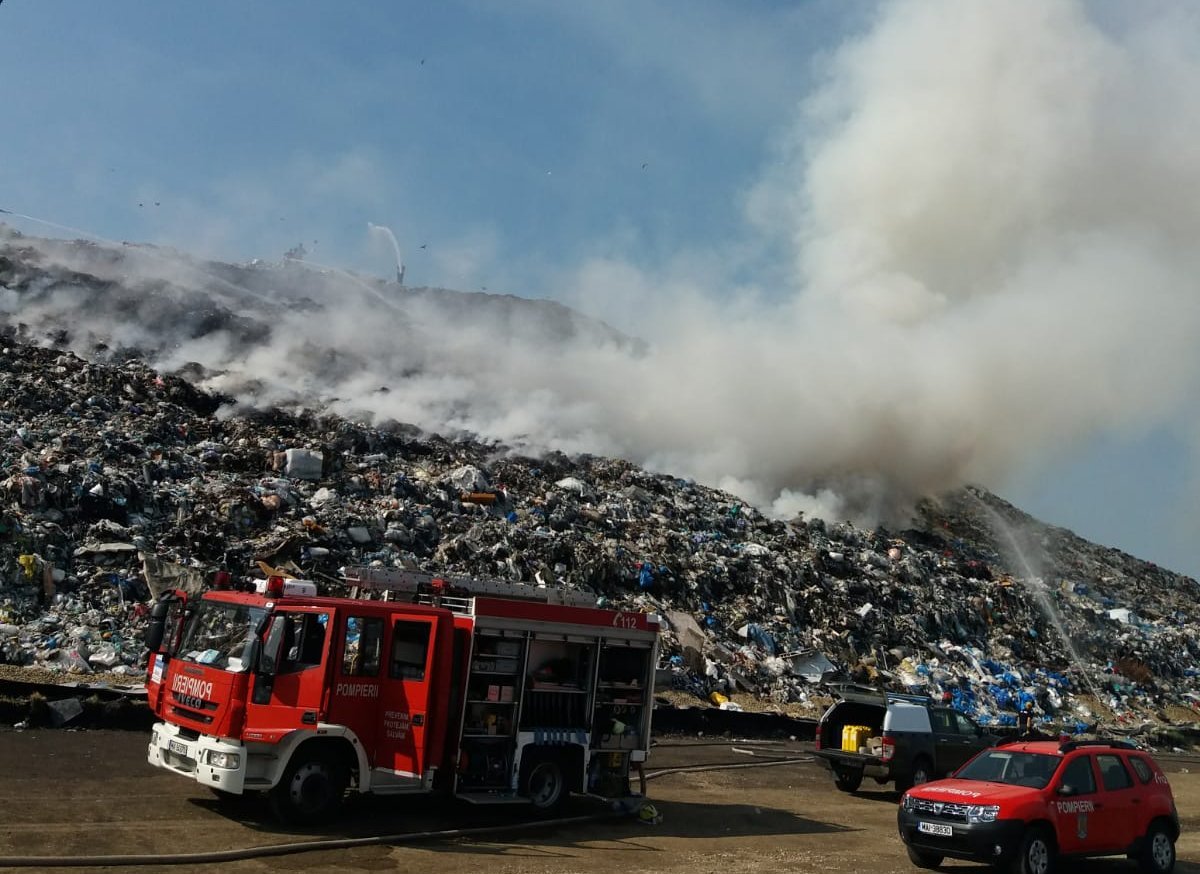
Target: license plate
[(180, 748), (935, 828)]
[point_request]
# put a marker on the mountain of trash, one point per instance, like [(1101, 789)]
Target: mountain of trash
[(119, 480)]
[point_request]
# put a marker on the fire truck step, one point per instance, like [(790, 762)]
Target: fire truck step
[(492, 798)]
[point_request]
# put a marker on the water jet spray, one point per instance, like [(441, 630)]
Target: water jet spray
[(384, 229), (1036, 586)]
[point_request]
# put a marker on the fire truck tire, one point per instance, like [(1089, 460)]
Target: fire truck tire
[(545, 784), (312, 788)]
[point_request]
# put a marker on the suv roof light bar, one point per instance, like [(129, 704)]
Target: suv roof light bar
[(1068, 745), (1027, 737)]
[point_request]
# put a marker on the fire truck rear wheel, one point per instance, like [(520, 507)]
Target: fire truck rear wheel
[(546, 786), (311, 790)]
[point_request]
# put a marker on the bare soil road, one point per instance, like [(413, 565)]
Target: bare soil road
[(89, 793)]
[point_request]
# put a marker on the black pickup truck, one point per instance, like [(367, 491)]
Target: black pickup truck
[(909, 739)]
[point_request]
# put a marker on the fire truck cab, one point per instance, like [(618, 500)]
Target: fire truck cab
[(488, 691)]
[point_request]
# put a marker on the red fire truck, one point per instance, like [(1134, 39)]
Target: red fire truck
[(489, 691)]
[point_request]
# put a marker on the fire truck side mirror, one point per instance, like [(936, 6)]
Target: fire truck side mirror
[(156, 630), (268, 658)]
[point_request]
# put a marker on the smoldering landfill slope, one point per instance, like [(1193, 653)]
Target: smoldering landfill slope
[(117, 474), (987, 263)]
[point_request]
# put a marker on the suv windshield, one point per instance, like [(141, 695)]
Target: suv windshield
[(1014, 768), (221, 635)]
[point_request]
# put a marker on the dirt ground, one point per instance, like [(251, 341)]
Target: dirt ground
[(89, 793)]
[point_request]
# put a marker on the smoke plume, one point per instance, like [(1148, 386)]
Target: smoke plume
[(990, 215)]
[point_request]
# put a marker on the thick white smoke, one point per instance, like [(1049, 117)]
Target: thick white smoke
[(991, 209), (992, 213)]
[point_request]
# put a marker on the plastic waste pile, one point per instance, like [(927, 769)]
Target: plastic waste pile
[(119, 481)]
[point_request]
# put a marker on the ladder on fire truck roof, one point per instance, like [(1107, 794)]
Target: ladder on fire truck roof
[(417, 583)]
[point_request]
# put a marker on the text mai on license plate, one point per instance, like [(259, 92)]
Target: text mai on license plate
[(935, 828)]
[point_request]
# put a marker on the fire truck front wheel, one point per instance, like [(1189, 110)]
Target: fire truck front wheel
[(312, 788)]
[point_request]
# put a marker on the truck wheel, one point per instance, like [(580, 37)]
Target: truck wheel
[(1158, 850), (922, 772), (847, 781), (311, 789), (1037, 854), (922, 859), (546, 786)]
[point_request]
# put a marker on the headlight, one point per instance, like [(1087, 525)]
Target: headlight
[(908, 802), (224, 760), (982, 812)]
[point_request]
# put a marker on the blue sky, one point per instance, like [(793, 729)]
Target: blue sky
[(516, 127), (602, 152)]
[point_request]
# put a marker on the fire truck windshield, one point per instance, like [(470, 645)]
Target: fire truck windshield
[(221, 635)]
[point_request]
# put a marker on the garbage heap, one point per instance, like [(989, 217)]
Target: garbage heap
[(118, 481)]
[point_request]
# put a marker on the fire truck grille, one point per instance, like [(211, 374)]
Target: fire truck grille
[(942, 809), (190, 708)]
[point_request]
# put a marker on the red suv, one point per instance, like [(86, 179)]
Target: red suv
[(1024, 803)]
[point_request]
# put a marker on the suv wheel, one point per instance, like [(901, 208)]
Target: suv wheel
[(1037, 853), (923, 860), (1158, 850)]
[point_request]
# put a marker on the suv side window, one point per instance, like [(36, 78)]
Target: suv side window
[(1078, 775), (1144, 771), (965, 725), (1113, 773)]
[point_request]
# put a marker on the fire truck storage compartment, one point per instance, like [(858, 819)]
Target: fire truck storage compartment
[(493, 694), (619, 720), (608, 774), (493, 686), (558, 681), (487, 762)]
